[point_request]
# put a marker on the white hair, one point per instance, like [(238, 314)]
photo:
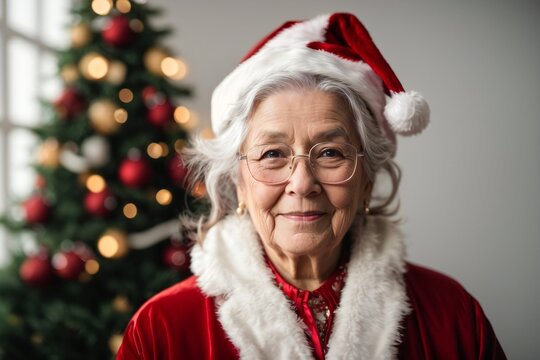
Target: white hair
[(215, 161)]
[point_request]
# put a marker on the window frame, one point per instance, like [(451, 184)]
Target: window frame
[(7, 125)]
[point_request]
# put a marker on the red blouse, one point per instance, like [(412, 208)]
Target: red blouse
[(316, 308)]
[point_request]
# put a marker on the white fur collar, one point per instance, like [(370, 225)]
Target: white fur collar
[(261, 323)]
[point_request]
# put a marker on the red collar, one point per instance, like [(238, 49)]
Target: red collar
[(316, 308)]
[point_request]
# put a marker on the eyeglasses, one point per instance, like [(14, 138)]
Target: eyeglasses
[(331, 163)]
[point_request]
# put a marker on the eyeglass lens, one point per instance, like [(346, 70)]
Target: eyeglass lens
[(330, 162)]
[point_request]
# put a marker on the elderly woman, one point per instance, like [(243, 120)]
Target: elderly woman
[(298, 258)]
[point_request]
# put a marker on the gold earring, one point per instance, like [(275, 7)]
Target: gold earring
[(366, 207), (241, 209)]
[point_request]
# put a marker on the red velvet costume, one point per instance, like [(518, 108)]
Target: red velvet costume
[(407, 312)]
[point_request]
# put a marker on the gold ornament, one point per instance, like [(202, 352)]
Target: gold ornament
[(113, 244), (164, 197), (199, 190), (153, 58), (191, 122), (91, 266), (121, 304), (102, 119), (95, 183), (102, 7), (125, 95), (37, 339), (130, 210), (182, 115), (69, 74), (173, 68), (94, 66), (49, 153), (14, 320), (81, 35), (136, 25), (124, 6), (117, 73), (114, 343), (179, 145)]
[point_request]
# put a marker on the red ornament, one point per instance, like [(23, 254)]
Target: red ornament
[(177, 170), (36, 210), (68, 265), (40, 183), (84, 252), (99, 204), (148, 93), (177, 257), (135, 173), (117, 32), (160, 114), (36, 270), (69, 104)]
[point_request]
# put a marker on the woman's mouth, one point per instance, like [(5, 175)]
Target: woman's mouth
[(304, 216)]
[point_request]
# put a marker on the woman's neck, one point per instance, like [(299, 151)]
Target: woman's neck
[(306, 272)]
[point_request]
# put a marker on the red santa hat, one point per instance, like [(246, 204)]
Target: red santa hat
[(337, 46)]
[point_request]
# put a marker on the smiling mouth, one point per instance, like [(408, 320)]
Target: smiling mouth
[(304, 216)]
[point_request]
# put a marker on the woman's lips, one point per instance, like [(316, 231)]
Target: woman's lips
[(304, 216)]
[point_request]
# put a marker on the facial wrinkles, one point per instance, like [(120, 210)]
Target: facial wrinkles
[(301, 124), (315, 120)]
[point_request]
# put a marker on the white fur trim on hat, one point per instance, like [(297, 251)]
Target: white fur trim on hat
[(290, 51)]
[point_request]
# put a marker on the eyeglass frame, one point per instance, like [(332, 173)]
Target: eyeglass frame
[(306, 156)]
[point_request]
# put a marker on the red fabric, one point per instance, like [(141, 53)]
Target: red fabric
[(300, 299), (345, 37), (178, 323), (445, 323), (348, 38)]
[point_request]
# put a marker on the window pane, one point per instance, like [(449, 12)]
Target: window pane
[(22, 88), (2, 80), (54, 31), (4, 256), (3, 199), (21, 16), (21, 150), (50, 84)]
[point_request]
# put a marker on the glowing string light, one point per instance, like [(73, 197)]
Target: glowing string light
[(95, 183)]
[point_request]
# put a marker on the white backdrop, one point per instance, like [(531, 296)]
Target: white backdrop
[(471, 189)]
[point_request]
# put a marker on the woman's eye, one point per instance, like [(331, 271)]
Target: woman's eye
[(272, 154), (331, 153)]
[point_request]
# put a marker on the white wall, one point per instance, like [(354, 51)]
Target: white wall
[(471, 188)]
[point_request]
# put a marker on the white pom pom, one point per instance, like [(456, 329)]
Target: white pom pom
[(407, 113)]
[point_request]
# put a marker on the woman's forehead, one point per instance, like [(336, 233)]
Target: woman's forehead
[(287, 115)]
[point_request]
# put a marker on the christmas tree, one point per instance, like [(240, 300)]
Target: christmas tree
[(103, 215)]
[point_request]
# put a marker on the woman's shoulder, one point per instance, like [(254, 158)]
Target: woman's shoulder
[(180, 322), (178, 300), (434, 295), (422, 280), (445, 320)]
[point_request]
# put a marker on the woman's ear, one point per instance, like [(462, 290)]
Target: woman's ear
[(240, 189), (367, 188), (239, 195)]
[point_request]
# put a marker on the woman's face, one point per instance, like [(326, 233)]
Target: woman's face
[(302, 216)]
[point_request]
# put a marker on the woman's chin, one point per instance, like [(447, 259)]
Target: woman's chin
[(304, 244)]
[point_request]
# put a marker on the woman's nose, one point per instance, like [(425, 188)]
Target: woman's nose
[(302, 180)]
